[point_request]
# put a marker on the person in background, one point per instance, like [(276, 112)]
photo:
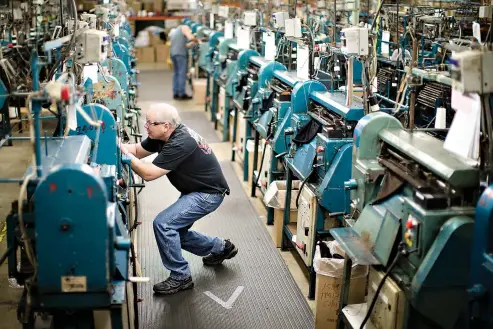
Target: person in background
[(181, 39)]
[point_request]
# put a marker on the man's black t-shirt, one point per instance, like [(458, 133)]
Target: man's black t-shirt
[(192, 164)]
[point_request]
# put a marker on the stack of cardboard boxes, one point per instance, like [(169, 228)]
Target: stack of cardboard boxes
[(150, 6), (156, 52)]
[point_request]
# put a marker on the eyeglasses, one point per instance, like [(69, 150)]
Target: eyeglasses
[(148, 123)]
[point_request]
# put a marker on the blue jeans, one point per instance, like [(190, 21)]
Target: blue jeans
[(171, 229), (180, 66)]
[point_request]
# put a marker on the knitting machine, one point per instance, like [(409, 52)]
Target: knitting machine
[(320, 156), (47, 232), (273, 120), (224, 81), (412, 213), (209, 40), (68, 283), (333, 70), (480, 284), (249, 67), (432, 95), (260, 115)]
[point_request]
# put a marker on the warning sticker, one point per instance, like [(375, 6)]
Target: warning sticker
[(74, 284)]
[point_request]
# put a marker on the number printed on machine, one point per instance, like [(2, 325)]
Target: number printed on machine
[(74, 284)]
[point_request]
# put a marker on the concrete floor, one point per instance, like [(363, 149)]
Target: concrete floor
[(16, 159)]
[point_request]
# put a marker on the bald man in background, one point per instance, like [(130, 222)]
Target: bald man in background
[(193, 169)]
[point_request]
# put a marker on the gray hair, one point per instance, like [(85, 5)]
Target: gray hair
[(166, 113)]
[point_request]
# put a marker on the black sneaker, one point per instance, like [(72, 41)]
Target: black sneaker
[(172, 286), (215, 259), (176, 96), (185, 97)]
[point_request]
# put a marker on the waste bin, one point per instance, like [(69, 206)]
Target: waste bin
[(329, 283), (275, 197)]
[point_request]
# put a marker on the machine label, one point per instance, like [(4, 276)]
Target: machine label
[(74, 284)]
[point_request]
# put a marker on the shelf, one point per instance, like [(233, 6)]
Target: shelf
[(154, 18), (292, 227), (354, 316)]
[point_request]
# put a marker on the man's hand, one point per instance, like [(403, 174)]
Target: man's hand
[(124, 149)]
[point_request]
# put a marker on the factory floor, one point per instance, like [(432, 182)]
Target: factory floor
[(16, 159)]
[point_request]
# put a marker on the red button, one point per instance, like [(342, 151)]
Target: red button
[(320, 149), (409, 224), (65, 93)]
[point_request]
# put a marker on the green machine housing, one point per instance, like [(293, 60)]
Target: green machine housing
[(410, 194)]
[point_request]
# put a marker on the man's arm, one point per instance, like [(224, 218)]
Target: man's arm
[(135, 149), (187, 32), (148, 171)]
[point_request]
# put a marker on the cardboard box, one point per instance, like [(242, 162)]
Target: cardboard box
[(136, 6), (149, 7), (275, 196), (138, 54), (278, 224), (155, 40), (327, 294), (148, 55), (162, 53), (199, 88), (158, 6)]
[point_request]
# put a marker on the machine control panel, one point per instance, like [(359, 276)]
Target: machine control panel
[(412, 231)]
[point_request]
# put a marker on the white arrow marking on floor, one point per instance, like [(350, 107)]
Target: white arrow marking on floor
[(229, 304)]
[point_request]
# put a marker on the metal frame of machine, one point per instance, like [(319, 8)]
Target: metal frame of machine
[(79, 168)]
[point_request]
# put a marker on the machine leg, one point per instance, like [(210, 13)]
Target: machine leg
[(235, 131), (313, 282), (346, 279), (255, 161), (215, 98), (273, 168), (226, 118), (248, 135), (116, 318), (207, 92), (270, 216), (287, 208)]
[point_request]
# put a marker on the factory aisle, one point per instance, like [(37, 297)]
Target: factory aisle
[(253, 290)]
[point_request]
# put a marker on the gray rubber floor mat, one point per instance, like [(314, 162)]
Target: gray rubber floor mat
[(199, 122), (266, 294)]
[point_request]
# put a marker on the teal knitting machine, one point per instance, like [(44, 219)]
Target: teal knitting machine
[(224, 85), (73, 195), (274, 118), (246, 103), (412, 212), (209, 41), (320, 158)]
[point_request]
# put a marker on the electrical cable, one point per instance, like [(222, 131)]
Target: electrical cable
[(302, 185), (400, 253)]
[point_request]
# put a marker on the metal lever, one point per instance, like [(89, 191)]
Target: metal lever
[(280, 155)]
